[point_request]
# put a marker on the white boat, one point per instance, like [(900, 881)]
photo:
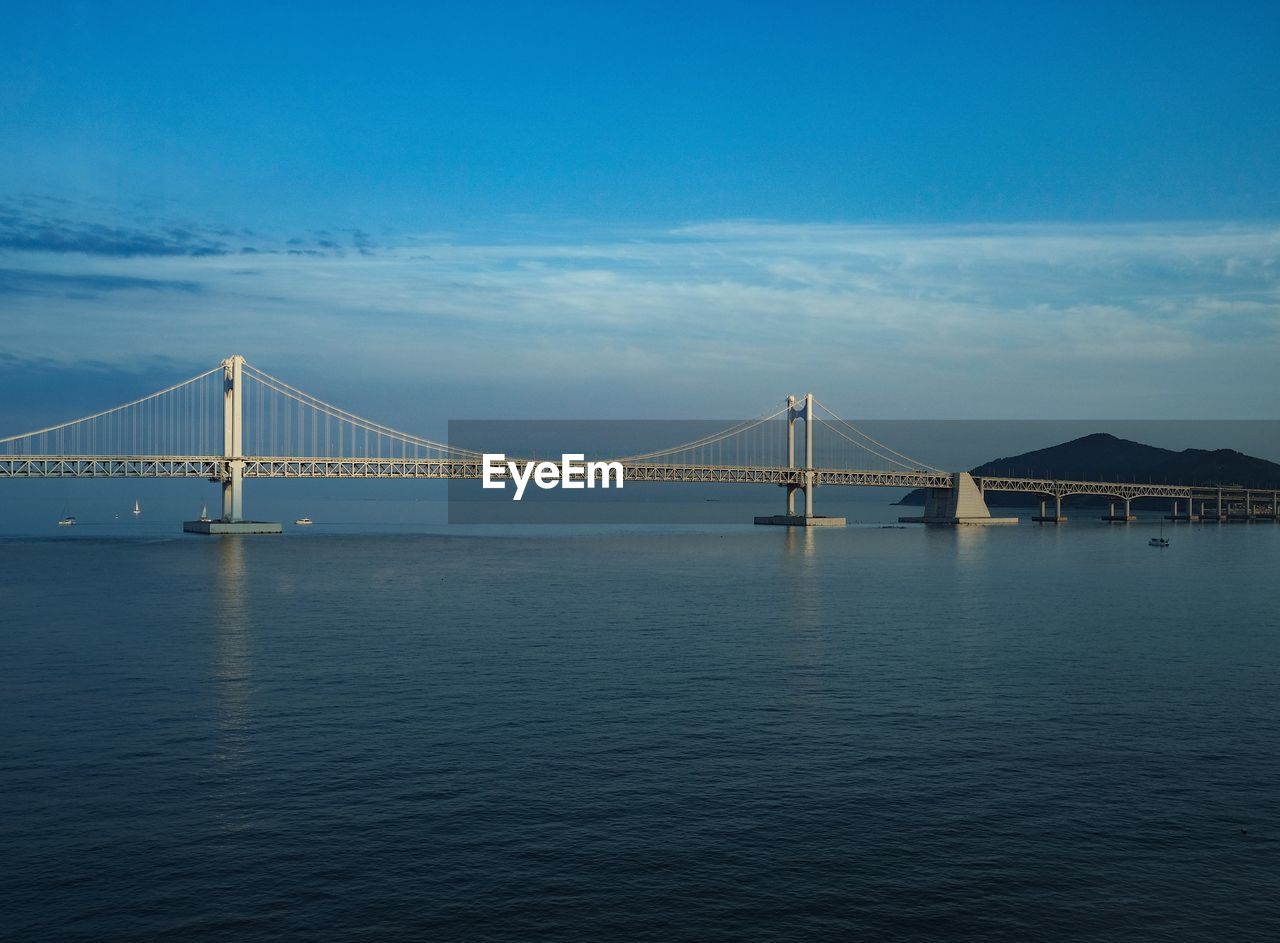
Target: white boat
[(137, 508), (304, 522), (66, 521), (204, 513)]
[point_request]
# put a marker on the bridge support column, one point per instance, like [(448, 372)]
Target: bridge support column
[(233, 492), (1114, 518), (232, 439), (1056, 517)]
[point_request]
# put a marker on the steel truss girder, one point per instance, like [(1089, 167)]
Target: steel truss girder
[(447, 469), (638, 471), (106, 466), (1114, 489), (217, 468)]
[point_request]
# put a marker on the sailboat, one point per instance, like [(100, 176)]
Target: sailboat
[(204, 513), (137, 508), (67, 520), (1161, 541)]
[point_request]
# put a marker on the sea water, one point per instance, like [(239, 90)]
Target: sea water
[(710, 732)]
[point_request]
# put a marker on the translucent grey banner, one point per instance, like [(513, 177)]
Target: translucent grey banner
[(729, 471)]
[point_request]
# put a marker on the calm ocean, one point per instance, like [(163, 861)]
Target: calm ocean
[(712, 733)]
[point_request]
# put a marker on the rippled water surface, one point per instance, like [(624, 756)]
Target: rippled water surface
[(734, 733)]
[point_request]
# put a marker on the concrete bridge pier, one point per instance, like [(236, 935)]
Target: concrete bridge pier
[(1057, 517), (962, 503), (1189, 516), (233, 492), (807, 490), (1119, 518)]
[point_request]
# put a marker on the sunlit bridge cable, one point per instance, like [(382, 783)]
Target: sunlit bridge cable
[(912, 463), (318, 406), (113, 410), (707, 440)]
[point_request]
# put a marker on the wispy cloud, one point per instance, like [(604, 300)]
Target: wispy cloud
[(20, 281), (925, 320), (24, 229)]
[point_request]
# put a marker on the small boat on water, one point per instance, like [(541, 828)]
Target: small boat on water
[(137, 508), (1161, 541), (304, 522), (204, 513), (67, 521)]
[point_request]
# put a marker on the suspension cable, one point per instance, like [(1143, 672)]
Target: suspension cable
[(306, 399), (913, 463), (711, 439), (113, 409)]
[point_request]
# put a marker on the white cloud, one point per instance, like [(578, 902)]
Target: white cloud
[(920, 320)]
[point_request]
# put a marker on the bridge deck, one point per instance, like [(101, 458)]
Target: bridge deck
[(214, 467), (211, 467)]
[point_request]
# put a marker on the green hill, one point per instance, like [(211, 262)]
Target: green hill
[(1104, 457)]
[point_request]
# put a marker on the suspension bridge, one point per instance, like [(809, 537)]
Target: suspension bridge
[(236, 422)]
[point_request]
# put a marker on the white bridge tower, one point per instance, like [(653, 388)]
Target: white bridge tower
[(231, 468), (233, 439), (801, 409)]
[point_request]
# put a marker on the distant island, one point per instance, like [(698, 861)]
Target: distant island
[(1104, 457)]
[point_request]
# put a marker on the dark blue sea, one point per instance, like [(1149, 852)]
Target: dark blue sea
[(715, 732)]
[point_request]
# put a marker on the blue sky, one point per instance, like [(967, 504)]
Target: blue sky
[(425, 211)]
